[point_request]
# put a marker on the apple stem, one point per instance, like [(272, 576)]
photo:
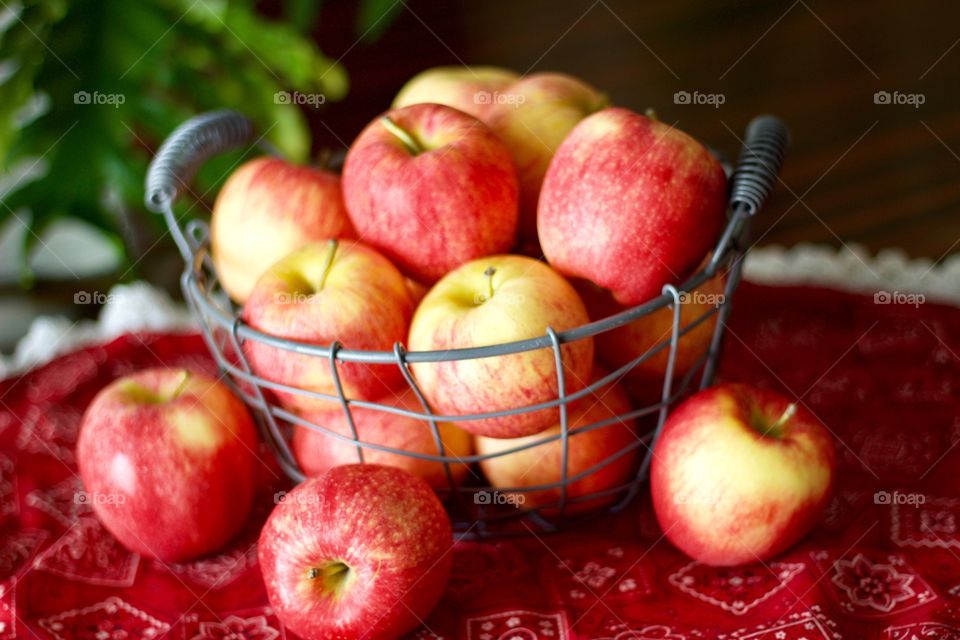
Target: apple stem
[(405, 137), (651, 113), (324, 157), (489, 271), (182, 385), (334, 245), (786, 415)]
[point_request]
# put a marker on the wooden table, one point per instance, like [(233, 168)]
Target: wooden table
[(877, 174)]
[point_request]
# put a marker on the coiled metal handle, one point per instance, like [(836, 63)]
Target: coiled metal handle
[(188, 147), (759, 163)]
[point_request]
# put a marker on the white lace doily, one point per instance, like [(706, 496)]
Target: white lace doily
[(142, 307)]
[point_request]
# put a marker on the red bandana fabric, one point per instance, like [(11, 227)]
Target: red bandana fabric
[(885, 378)]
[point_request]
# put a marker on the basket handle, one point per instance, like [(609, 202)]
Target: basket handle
[(187, 148), (759, 164)]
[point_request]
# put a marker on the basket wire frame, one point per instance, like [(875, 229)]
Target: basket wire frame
[(210, 134)]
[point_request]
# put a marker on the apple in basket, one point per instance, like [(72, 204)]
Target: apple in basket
[(472, 90), (362, 551), (630, 203), (317, 452), (266, 209), (587, 448), (489, 301), (321, 293), (431, 187), (740, 474), (167, 462), (532, 116), (620, 346)]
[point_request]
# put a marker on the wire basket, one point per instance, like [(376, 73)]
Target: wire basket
[(471, 505)]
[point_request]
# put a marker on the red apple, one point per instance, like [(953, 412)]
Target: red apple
[(630, 203), (432, 188), (472, 90), (363, 551), (532, 116), (325, 292), (740, 474), (317, 452), (489, 301), (619, 346), (167, 460), (266, 209), (543, 464)]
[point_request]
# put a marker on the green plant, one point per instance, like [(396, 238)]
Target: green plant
[(88, 89)]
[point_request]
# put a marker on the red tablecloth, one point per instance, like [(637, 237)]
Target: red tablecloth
[(884, 378)]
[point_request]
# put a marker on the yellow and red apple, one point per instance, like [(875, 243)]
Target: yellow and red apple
[(740, 474), (317, 452), (334, 291), (494, 300), (167, 460), (533, 116), (472, 90), (266, 209), (543, 464), (431, 187), (362, 551), (630, 203)]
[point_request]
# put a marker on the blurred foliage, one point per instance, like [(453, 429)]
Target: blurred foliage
[(89, 88)]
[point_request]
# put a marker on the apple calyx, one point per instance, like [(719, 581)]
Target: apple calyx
[(409, 142), (332, 577)]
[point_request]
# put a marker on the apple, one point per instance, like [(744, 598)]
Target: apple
[(543, 464), (652, 198), (167, 460), (533, 116), (740, 474), (432, 188), (362, 551), (619, 346), (489, 301), (266, 209), (317, 452), (321, 293), (472, 90)]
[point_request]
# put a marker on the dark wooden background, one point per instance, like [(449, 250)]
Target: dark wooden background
[(874, 174)]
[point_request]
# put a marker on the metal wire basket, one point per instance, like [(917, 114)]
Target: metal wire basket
[(470, 505)]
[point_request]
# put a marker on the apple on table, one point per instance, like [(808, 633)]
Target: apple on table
[(362, 551), (495, 300), (740, 474), (317, 452), (334, 291), (167, 458), (267, 208), (472, 90), (431, 187), (630, 203), (586, 449)]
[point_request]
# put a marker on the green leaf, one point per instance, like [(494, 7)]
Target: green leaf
[(374, 17)]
